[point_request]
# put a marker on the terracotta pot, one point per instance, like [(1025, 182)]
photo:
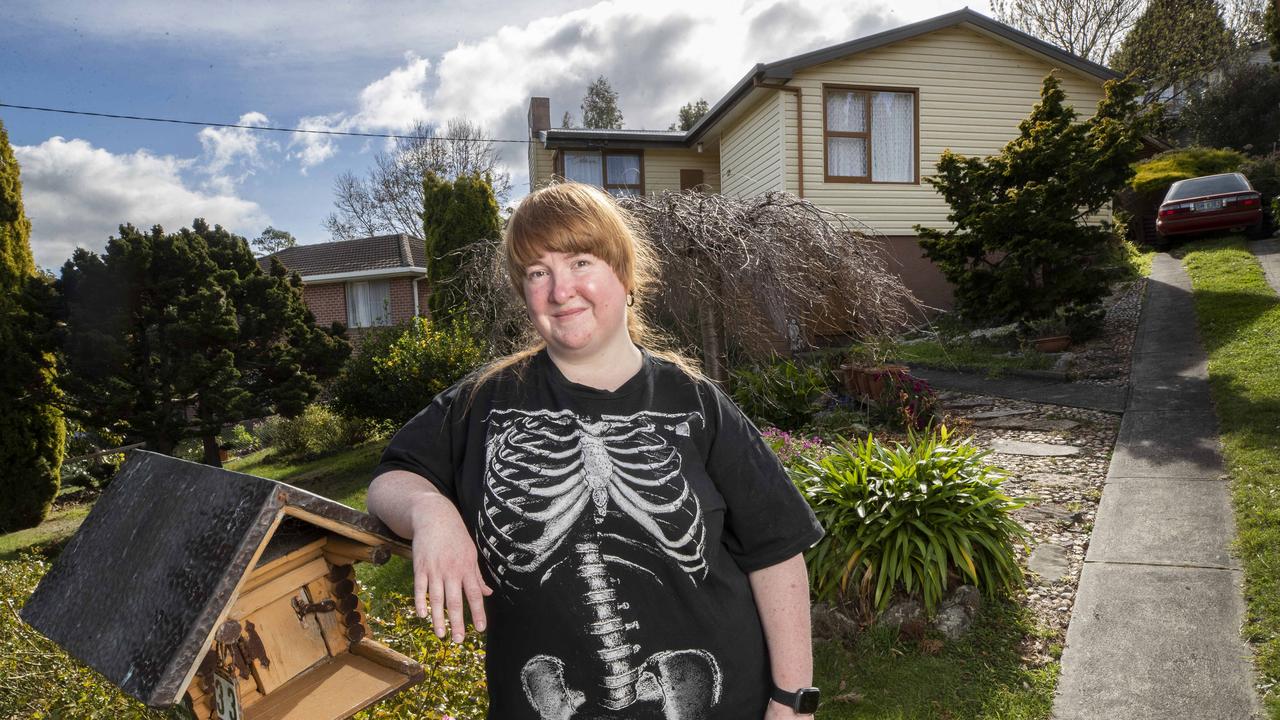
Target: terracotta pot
[(868, 382), (1057, 343)]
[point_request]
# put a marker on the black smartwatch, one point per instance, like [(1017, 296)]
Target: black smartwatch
[(803, 701)]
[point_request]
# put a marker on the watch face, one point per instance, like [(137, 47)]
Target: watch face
[(807, 701)]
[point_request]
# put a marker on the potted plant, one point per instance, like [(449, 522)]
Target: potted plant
[(1050, 334), (866, 371)]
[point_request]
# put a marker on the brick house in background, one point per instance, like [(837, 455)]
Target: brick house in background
[(361, 283)]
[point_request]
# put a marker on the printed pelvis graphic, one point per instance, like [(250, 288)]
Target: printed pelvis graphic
[(552, 480)]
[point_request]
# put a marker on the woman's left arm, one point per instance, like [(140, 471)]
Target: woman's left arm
[(782, 596)]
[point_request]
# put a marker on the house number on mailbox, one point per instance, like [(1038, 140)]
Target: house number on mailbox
[(226, 697)]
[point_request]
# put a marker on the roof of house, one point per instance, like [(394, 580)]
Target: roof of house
[(137, 591), (370, 254), (785, 69)]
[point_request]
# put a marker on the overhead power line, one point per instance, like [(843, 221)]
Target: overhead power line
[(247, 127)]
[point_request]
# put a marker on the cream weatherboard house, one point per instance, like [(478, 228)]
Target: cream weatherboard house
[(854, 128)]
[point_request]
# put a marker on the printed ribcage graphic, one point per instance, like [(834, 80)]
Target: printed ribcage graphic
[(551, 482), (549, 473)]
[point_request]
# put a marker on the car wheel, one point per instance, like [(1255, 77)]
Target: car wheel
[(1258, 231)]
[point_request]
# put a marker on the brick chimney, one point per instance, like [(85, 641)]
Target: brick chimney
[(539, 115)]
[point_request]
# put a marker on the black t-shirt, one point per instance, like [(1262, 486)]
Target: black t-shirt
[(617, 530)]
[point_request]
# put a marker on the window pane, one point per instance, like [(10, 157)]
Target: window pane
[(847, 111), (847, 157), (583, 167), (893, 137), (368, 303), (622, 170)]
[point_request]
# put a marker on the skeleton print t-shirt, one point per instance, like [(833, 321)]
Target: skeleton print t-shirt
[(617, 530)]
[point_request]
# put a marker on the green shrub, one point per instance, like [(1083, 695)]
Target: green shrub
[(399, 370), (237, 438), (455, 683), (1264, 175), (783, 394), (1081, 322), (318, 430), (908, 517), (1156, 174)]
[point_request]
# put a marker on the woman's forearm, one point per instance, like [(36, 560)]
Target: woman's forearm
[(394, 495), (782, 597)]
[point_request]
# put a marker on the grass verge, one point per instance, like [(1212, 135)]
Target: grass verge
[(1239, 319), (52, 533)]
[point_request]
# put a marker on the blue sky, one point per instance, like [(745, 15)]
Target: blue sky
[(361, 66)]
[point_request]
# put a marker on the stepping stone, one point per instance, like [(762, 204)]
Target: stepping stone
[(968, 403), (1049, 562), (1031, 449), (997, 413), (1015, 423), (1052, 480), (1048, 512)]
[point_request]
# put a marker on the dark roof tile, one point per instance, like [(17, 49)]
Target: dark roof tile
[(380, 252)]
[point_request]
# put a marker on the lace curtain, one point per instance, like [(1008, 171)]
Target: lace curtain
[(584, 167), (891, 128), (893, 137), (368, 303), (847, 112)]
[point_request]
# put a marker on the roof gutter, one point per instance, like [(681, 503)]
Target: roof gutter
[(360, 274), (757, 82)]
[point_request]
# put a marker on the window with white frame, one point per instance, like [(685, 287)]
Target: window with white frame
[(870, 134), (619, 173), (368, 303)]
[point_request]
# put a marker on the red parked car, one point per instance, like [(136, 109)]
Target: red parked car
[(1209, 203)]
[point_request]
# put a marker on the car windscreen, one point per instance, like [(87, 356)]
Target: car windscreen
[(1212, 185)]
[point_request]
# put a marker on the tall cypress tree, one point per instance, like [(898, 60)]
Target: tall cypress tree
[(32, 433), (454, 215)]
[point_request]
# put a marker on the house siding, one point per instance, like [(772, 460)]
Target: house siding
[(973, 92), (751, 152), (662, 168), (542, 165)]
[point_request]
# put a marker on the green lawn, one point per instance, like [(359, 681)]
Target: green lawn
[(1239, 318), (55, 530), (967, 355)]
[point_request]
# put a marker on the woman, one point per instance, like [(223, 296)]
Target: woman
[(612, 517)]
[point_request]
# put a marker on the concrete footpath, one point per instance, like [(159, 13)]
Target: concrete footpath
[(1155, 630), (1268, 254)]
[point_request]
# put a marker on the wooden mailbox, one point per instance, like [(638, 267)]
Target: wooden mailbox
[(224, 593)]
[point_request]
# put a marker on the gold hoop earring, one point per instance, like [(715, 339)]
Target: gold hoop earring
[(631, 299)]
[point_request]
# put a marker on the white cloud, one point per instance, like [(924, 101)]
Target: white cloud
[(233, 154), (77, 195)]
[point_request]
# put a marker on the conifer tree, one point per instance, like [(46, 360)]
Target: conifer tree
[(600, 106), (32, 433), (173, 336), (1020, 244), (454, 215)]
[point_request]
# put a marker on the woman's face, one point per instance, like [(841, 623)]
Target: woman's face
[(576, 302)]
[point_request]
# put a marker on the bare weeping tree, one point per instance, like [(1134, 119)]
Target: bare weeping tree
[(1091, 29), (759, 273), (388, 199)]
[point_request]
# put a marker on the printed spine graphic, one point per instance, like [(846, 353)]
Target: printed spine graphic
[(609, 629)]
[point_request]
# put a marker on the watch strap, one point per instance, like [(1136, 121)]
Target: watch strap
[(803, 701)]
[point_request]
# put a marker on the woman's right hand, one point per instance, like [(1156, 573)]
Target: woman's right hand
[(446, 567)]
